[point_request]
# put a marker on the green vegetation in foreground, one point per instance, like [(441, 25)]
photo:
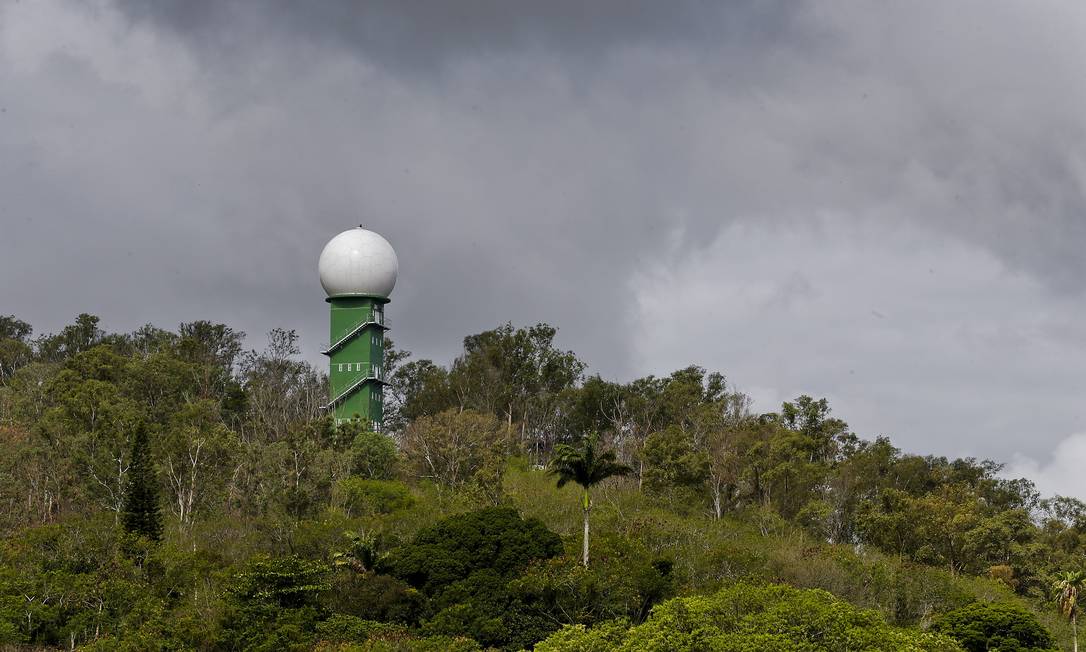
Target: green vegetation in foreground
[(983, 626), (171, 491), (745, 618)]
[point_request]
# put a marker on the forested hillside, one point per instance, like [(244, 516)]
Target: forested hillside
[(173, 490)]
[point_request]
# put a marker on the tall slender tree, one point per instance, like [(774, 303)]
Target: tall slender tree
[(1068, 584), (586, 465), (140, 513)]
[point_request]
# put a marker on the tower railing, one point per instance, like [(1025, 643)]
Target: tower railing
[(360, 372), (378, 320)]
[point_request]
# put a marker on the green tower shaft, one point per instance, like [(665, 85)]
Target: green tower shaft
[(356, 350)]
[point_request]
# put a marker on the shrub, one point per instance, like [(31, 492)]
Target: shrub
[(625, 582), (375, 597), (672, 461), (464, 564), (746, 618), (373, 456), (494, 539), (352, 629), (604, 637), (984, 626), (428, 644), (272, 604), (362, 497)]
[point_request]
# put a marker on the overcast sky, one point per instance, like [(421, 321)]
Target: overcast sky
[(879, 203)]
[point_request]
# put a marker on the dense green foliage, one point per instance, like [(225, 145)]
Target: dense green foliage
[(745, 618), (983, 626), (275, 530), (495, 541), (140, 511), (464, 564)]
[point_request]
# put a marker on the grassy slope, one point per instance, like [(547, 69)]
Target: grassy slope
[(706, 553), (710, 553)]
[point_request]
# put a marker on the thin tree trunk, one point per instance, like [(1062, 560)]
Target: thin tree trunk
[(1074, 631), (586, 507)]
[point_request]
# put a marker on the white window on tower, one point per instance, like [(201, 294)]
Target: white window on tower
[(341, 366)]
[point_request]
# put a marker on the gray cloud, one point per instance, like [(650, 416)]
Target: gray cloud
[(425, 37), (178, 160)]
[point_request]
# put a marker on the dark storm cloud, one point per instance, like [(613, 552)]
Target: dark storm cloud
[(531, 242), (427, 36), (582, 164), (1003, 161)]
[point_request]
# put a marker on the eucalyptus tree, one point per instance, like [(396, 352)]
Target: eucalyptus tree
[(15, 350), (73, 339), (519, 375), (280, 389), (587, 465), (455, 449)]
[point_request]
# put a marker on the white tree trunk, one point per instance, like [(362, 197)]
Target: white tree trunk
[(586, 508), (718, 508)]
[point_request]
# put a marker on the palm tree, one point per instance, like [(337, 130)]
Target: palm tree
[(1067, 585), (587, 466), (362, 556)]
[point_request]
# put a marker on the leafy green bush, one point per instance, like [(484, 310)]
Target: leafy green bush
[(426, 644), (375, 597), (674, 464), (464, 564), (285, 582), (747, 618), (362, 497), (495, 539), (9, 632), (625, 581), (83, 561), (342, 628), (273, 604), (603, 637), (374, 456), (984, 626)]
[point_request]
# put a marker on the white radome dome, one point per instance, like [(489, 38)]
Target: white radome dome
[(358, 262)]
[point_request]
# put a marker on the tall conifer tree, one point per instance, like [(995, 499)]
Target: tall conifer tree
[(140, 513)]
